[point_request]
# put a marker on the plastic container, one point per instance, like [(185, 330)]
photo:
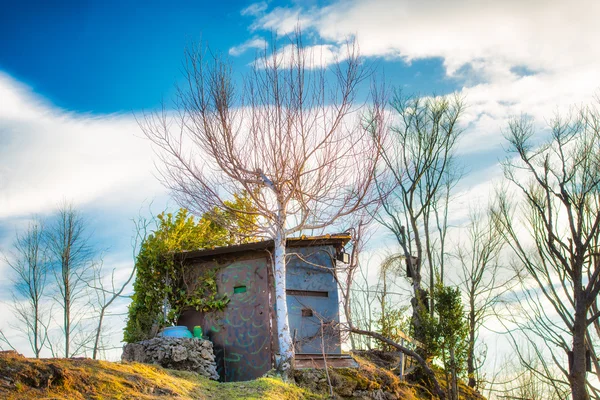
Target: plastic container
[(198, 332), (176, 331)]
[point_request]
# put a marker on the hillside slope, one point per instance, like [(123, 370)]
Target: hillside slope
[(24, 378)]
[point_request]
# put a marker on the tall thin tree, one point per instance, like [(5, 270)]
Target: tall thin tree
[(418, 153), (29, 263), (482, 281), (72, 258)]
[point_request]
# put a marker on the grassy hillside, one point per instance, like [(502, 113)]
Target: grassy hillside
[(24, 378)]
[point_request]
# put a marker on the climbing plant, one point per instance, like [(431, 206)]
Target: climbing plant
[(159, 277), (203, 298)]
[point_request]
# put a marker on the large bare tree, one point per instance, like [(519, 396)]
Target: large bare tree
[(559, 181), (291, 134)]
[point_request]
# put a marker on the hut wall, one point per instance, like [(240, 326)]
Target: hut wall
[(313, 300), (241, 334), (244, 334)]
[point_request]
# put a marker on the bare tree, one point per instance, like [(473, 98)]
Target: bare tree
[(345, 279), (418, 154), (29, 263), (72, 257), (106, 289), (291, 136), (481, 283), (514, 381), (559, 182)]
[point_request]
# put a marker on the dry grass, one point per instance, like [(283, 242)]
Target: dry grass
[(23, 378)]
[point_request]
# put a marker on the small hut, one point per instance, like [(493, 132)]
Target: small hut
[(244, 334)]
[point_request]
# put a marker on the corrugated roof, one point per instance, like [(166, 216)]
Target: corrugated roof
[(303, 241)]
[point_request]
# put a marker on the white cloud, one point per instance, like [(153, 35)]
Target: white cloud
[(316, 56), (255, 9), (47, 155), (283, 20), (254, 43), (100, 163), (513, 57), (488, 34)]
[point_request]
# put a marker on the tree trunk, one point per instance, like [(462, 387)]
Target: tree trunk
[(98, 334), (67, 321), (428, 248), (36, 333), (471, 350), (454, 376), (577, 376), (286, 349)]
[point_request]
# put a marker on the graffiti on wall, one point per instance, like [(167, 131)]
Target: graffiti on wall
[(241, 333)]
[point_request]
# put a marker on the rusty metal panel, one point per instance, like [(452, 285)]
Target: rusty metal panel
[(241, 334)]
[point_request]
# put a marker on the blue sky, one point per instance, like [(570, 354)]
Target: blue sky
[(74, 74), (112, 56), (109, 56)]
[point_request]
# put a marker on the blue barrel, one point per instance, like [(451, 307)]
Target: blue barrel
[(176, 331)]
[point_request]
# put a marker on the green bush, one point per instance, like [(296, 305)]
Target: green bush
[(159, 276)]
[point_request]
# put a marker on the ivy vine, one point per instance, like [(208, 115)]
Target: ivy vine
[(160, 278)]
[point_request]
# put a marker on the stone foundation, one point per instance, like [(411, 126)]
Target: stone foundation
[(182, 354)]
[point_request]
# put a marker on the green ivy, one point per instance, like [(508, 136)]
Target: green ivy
[(204, 298), (159, 276)]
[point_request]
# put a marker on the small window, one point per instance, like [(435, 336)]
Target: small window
[(307, 312), (239, 289), (309, 293)]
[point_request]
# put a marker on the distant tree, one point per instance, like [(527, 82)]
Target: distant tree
[(557, 238), (392, 321), (451, 335), (418, 153), (30, 265), (289, 134), (106, 290), (481, 282), (513, 380), (72, 258), (346, 278)]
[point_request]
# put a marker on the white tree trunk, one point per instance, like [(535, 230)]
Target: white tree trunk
[(286, 349)]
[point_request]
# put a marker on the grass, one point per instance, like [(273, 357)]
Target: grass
[(23, 378)]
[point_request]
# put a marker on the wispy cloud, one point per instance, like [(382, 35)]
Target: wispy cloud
[(254, 43), (255, 9)]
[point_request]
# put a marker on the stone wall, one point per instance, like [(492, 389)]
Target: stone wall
[(182, 354)]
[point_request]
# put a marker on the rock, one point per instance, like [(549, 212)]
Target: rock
[(390, 396), (184, 354), (134, 352), (207, 355), (179, 353)]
